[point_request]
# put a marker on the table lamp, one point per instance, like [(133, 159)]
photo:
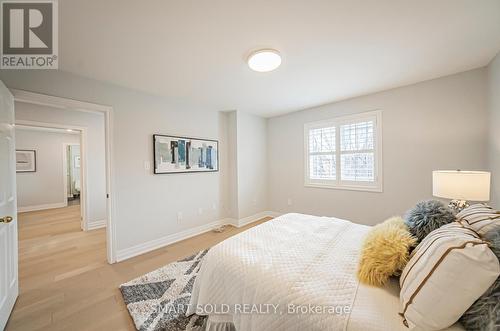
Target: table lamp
[(461, 186)]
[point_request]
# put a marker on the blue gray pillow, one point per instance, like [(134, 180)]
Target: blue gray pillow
[(484, 314), (427, 216)]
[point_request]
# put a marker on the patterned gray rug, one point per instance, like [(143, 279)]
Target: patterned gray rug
[(158, 300)]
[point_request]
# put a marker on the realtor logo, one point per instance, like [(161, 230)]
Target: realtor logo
[(29, 34)]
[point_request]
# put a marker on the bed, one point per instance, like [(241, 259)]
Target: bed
[(295, 272)]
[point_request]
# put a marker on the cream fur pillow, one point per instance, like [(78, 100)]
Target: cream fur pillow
[(385, 251)]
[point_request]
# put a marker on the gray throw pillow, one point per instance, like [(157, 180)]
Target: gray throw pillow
[(427, 216), (484, 314)]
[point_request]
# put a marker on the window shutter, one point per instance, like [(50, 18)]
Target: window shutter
[(344, 152)]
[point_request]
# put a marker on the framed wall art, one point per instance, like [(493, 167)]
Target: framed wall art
[(25, 160), (174, 154)]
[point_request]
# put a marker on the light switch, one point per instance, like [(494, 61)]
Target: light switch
[(147, 165)]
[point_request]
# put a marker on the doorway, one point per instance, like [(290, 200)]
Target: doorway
[(77, 190), (55, 179)]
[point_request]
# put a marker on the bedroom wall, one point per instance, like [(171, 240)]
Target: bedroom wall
[(96, 166), (494, 128), (252, 164), (233, 211), (437, 124), (146, 205), (45, 187), (247, 168)]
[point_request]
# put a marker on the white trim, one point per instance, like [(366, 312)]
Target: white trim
[(149, 246), (65, 179), (377, 185), (96, 225), (75, 105), (110, 206), (58, 102), (65, 174), (41, 207), (45, 129), (228, 221), (273, 214), (253, 218), (163, 241)]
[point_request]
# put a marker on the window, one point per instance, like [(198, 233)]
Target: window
[(345, 152)]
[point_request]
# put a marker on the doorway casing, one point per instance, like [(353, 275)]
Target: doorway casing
[(82, 106), (83, 177)]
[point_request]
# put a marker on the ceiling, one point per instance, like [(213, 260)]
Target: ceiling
[(332, 50)]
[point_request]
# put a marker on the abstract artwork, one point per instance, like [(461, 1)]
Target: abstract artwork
[(25, 160), (174, 154)]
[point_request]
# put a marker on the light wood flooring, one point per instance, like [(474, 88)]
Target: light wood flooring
[(64, 279)]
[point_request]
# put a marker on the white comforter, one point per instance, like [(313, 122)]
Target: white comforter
[(296, 272)]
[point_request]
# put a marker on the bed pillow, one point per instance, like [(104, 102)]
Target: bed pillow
[(447, 272), (428, 216), (484, 314), (481, 218), (385, 251)]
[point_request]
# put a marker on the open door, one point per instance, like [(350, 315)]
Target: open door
[(8, 210)]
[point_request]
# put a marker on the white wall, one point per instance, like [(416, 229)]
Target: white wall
[(232, 135), (247, 166), (95, 148), (438, 124), (146, 205), (494, 128), (252, 164), (45, 187)]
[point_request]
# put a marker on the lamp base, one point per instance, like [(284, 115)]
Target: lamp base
[(458, 205)]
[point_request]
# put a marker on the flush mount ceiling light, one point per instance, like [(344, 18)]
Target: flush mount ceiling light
[(264, 60)]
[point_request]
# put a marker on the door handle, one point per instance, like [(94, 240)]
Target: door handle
[(6, 219)]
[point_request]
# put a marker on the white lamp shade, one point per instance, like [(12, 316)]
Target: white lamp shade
[(461, 185)]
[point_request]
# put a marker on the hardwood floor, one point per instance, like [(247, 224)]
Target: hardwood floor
[(65, 281)]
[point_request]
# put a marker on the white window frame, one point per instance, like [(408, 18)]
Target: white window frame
[(375, 186)]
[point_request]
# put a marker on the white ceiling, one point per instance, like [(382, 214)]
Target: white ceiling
[(332, 50)]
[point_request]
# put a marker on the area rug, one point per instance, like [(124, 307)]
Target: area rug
[(159, 300)]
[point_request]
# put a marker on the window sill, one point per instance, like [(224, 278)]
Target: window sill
[(376, 189)]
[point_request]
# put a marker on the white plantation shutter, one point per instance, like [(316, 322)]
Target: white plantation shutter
[(344, 152), (322, 160), (357, 151)]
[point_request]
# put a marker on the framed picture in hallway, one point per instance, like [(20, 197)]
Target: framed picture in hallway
[(25, 160), (173, 154)]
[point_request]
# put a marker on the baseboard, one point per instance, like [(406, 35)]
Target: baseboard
[(42, 207), (127, 253), (250, 219), (96, 225), (229, 221), (146, 247)]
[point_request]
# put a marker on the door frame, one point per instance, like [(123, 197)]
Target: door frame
[(83, 180), (83, 106)]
